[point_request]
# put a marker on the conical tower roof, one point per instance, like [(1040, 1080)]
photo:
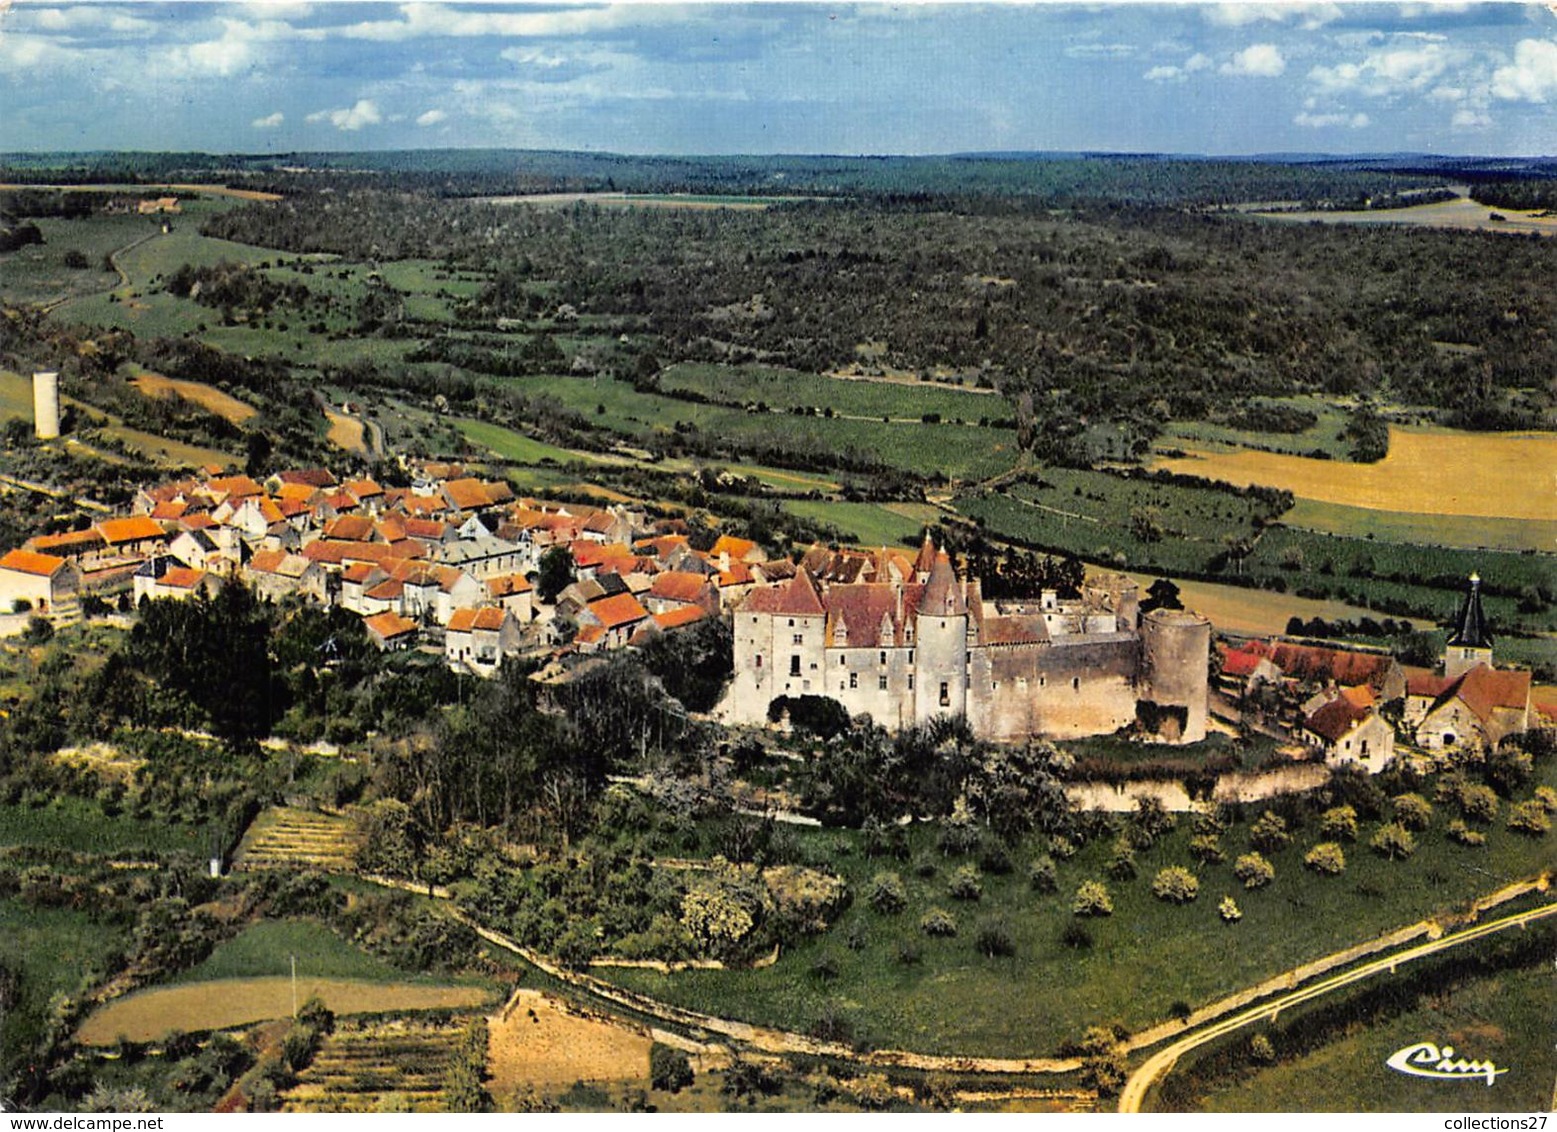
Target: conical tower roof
[(926, 560), (1470, 627), (942, 592)]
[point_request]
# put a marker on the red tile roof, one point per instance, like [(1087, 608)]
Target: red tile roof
[(387, 626), (362, 489), (614, 612), (676, 618), (308, 477), (181, 578), (488, 620), (795, 598), (1484, 689), (31, 562), (266, 561), (135, 529), (354, 528), (234, 487), (507, 585), (737, 548), (467, 494), (679, 585), (71, 542), (1307, 662), (1336, 719)]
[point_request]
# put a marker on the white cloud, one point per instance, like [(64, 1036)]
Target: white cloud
[(1470, 120), (365, 113), (1328, 121), (436, 20), (269, 122), (1384, 74), (216, 57), (431, 118), (1262, 59), (1197, 62), (1533, 75), (1306, 16), (1164, 74), (1099, 51), (532, 57)]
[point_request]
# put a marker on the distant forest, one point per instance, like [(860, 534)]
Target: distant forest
[(1105, 311)]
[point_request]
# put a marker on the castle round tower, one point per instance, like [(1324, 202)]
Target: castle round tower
[(941, 645), (1176, 651)]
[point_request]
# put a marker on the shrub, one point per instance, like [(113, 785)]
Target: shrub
[(1076, 936), (1121, 861), (1092, 899), (1413, 812), (965, 884), (1547, 797), (994, 859), (1326, 858), (938, 922), (1103, 1062), (1061, 848), (669, 1068), (1261, 1050), (1042, 875), (1339, 823), (825, 966), (994, 940), (908, 953), (1393, 841), (1269, 833), (1229, 911), (1210, 822), (1479, 803), (1529, 818), (1175, 885), (1207, 849), (887, 894), (1254, 870), (1464, 834)]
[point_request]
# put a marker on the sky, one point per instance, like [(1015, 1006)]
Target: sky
[(1244, 78)]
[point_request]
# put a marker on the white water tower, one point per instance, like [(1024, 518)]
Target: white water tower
[(45, 405)]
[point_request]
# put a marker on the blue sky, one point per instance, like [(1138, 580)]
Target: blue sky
[(780, 78)]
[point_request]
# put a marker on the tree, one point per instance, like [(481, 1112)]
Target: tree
[(1393, 841), (965, 883), (1326, 858), (1478, 803), (1092, 899), (1269, 832), (1102, 1061), (1339, 823), (887, 894), (1529, 818), (1043, 876), (1254, 870), (555, 574), (1229, 911), (938, 922), (1176, 885), (1162, 594), (669, 1068), (1413, 811)]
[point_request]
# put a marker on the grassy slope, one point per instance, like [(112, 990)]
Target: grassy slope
[(1505, 1018), (1426, 530), (868, 524), (70, 823), (1145, 958), (266, 948)]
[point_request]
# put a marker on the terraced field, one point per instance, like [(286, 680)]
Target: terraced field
[(287, 838), (368, 1066)]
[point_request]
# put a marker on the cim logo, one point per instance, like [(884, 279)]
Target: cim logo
[(1424, 1059)]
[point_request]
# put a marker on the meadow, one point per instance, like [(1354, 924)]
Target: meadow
[(887, 984), (67, 822), (1458, 531), (786, 390), (1503, 1016)]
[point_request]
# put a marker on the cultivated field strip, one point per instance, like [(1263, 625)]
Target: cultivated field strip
[(361, 1064), (287, 838)]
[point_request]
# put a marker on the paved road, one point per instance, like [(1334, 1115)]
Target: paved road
[(1158, 1064)]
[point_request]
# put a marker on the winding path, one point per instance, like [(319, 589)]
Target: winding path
[(1152, 1070)]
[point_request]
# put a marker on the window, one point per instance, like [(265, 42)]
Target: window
[(945, 694), (794, 666), (910, 681), (1042, 680), (842, 660), (854, 679), (759, 660), (883, 658), (881, 681), (791, 622), (910, 656), (800, 638), (1075, 683)]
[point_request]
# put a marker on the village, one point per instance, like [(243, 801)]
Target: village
[(458, 566)]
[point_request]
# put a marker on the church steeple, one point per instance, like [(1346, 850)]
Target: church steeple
[(1470, 641)]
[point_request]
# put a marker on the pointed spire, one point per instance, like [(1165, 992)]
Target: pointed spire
[(1470, 627), (942, 594), (926, 560)]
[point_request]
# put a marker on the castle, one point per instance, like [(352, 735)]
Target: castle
[(915, 641)]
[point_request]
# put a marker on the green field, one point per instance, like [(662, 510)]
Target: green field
[(866, 524), (37, 273), (786, 389), (1504, 1017), (266, 948), (15, 396), (1145, 959), (1425, 530), (1325, 436), (71, 823), (649, 420), (521, 449)]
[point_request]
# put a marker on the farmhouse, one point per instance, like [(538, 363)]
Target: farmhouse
[(1348, 730), (907, 651), (41, 580)]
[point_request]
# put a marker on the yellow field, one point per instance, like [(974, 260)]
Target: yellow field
[(543, 1044), (1235, 609), (345, 432), (1428, 471), (1462, 213), (208, 397), (228, 1003)]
